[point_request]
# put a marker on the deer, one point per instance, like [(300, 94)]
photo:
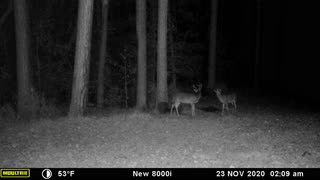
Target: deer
[(187, 98), (226, 99)]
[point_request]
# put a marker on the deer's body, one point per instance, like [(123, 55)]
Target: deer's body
[(227, 99), (186, 98)]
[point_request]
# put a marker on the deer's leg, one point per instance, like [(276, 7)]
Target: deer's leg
[(222, 112), (177, 106), (172, 106), (193, 113), (235, 106)]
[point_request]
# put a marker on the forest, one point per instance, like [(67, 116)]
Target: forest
[(127, 66), (251, 52)]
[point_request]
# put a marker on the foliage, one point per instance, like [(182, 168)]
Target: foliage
[(53, 51), (121, 77), (41, 106), (113, 96), (7, 112), (6, 94), (188, 60), (129, 73)]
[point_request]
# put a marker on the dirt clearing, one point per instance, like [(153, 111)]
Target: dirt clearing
[(264, 137)]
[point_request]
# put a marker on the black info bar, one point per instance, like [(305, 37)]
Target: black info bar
[(159, 173)]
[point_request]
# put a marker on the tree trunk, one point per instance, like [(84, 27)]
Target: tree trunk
[(154, 13), (142, 54), (81, 65), (162, 89), (171, 32), (173, 61), (102, 57), (212, 45), (23, 71)]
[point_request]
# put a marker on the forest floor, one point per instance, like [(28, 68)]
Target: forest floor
[(257, 135)]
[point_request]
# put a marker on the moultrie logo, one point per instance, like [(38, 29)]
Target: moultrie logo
[(15, 173)]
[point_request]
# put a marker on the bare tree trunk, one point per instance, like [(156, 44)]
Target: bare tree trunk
[(172, 30), (22, 46), (81, 66), (212, 45), (154, 51), (162, 87), (142, 54), (103, 47), (173, 62)]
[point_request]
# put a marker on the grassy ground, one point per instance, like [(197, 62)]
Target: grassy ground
[(256, 136)]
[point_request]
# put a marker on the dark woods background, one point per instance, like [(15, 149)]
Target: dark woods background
[(287, 66)]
